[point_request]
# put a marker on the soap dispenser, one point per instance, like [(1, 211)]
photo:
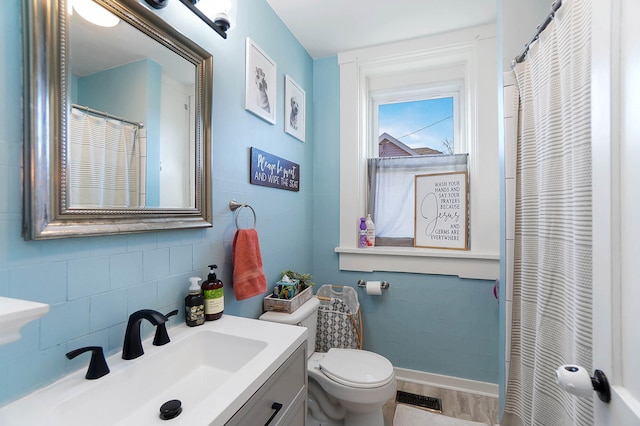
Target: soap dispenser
[(371, 231), (194, 304), (213, 292)]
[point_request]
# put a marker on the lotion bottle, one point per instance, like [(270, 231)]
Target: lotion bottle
[(213, 292), (371, 231), (194, 304)]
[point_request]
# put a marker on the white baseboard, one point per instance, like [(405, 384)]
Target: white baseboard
[(447, 382)]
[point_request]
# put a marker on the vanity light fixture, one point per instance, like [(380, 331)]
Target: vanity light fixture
[(95, 13), (222, 12), (157, 4)]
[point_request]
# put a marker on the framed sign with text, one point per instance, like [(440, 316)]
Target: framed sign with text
[(269, 170), (441, 211)]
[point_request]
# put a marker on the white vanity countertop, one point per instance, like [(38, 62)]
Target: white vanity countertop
[(47, 406)]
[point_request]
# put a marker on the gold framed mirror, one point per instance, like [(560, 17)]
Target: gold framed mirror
[(117, 122)]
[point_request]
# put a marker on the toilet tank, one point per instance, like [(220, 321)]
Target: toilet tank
[(305, 316)]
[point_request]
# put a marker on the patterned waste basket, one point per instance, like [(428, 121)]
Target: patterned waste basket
[(339, 320)]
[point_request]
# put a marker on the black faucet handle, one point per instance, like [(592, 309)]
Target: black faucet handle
[(162, 337), (97, 366)]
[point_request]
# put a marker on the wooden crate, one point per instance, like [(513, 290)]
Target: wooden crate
[(287, 305)]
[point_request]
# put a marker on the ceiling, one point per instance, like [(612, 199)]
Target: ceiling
[(326, 27), (93, 48)]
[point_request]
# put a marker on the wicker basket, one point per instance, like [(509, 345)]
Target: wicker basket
[(287, 305)]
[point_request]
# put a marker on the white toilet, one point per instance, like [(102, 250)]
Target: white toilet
[(346, 386)]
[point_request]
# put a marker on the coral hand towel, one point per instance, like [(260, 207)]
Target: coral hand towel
[(248, 276)]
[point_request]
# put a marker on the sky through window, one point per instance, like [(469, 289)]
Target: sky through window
[(419, 124)]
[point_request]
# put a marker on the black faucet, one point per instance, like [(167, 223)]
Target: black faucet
[(162, 337), (97, 366), (132, 347)]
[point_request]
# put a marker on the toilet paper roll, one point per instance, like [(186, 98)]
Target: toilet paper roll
[(574, 379), (374, 288)]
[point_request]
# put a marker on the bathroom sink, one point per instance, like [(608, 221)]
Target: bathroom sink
[(186, 371), (212, 369), (14, 314)]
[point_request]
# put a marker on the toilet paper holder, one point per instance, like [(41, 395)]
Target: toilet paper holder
[(577, 380), (383, 284)]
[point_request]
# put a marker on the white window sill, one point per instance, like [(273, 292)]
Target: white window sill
[(464, 264)]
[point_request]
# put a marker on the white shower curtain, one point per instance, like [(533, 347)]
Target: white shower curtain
[(104, 163), (552, 261)]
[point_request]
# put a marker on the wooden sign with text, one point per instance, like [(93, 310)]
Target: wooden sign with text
[(441, 211), (268, 170)]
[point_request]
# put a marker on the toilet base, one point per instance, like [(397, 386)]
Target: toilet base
[(313, 422)]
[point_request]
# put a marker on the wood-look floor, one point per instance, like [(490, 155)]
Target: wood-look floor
[(461, 405)]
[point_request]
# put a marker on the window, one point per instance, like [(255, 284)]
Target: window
[(391, 192), (420, 127), (460, 67), (410, 125)]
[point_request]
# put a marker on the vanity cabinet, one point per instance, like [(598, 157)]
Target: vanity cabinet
[(288, 387)]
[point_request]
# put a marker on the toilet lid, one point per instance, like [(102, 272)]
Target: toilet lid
[(357, 368)]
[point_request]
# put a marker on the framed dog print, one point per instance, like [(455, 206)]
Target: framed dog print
[(294, 109), (260, 83)]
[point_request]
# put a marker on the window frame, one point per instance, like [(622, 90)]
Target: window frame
[(364, 72)]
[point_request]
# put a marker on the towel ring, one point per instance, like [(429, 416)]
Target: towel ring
[(236, 206)]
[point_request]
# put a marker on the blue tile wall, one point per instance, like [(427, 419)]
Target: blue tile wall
[(437, 324), (93, 284)]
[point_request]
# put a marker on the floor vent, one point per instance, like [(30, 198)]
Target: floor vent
[(425, 402)]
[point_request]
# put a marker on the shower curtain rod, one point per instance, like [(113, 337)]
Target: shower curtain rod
[(554, 7), (107, 115)]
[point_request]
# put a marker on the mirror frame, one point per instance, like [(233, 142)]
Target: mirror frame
[(46, 107)]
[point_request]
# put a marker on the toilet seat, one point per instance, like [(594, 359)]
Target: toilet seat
[(357, 368)]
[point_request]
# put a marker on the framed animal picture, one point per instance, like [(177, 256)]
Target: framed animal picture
[(294, 109), (260, 91)]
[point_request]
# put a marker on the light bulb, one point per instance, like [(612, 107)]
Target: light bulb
[(219, 11), (95, 13)]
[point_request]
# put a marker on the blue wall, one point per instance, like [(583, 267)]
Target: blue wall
[(433, 323), (93, 284), (437, 324), (123, 90)]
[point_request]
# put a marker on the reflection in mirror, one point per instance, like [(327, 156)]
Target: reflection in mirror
[(128, 143), (140, 99)]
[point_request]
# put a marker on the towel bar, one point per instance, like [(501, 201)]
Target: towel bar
[(236, 206)]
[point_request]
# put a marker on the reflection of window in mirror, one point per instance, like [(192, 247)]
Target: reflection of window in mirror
[(121, 77)]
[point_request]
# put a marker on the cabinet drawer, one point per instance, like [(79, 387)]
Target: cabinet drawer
[(297, 414), (282, 388)]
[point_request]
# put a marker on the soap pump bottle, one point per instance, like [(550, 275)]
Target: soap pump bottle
[(213, 292), (194, 304), (371, 231)]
